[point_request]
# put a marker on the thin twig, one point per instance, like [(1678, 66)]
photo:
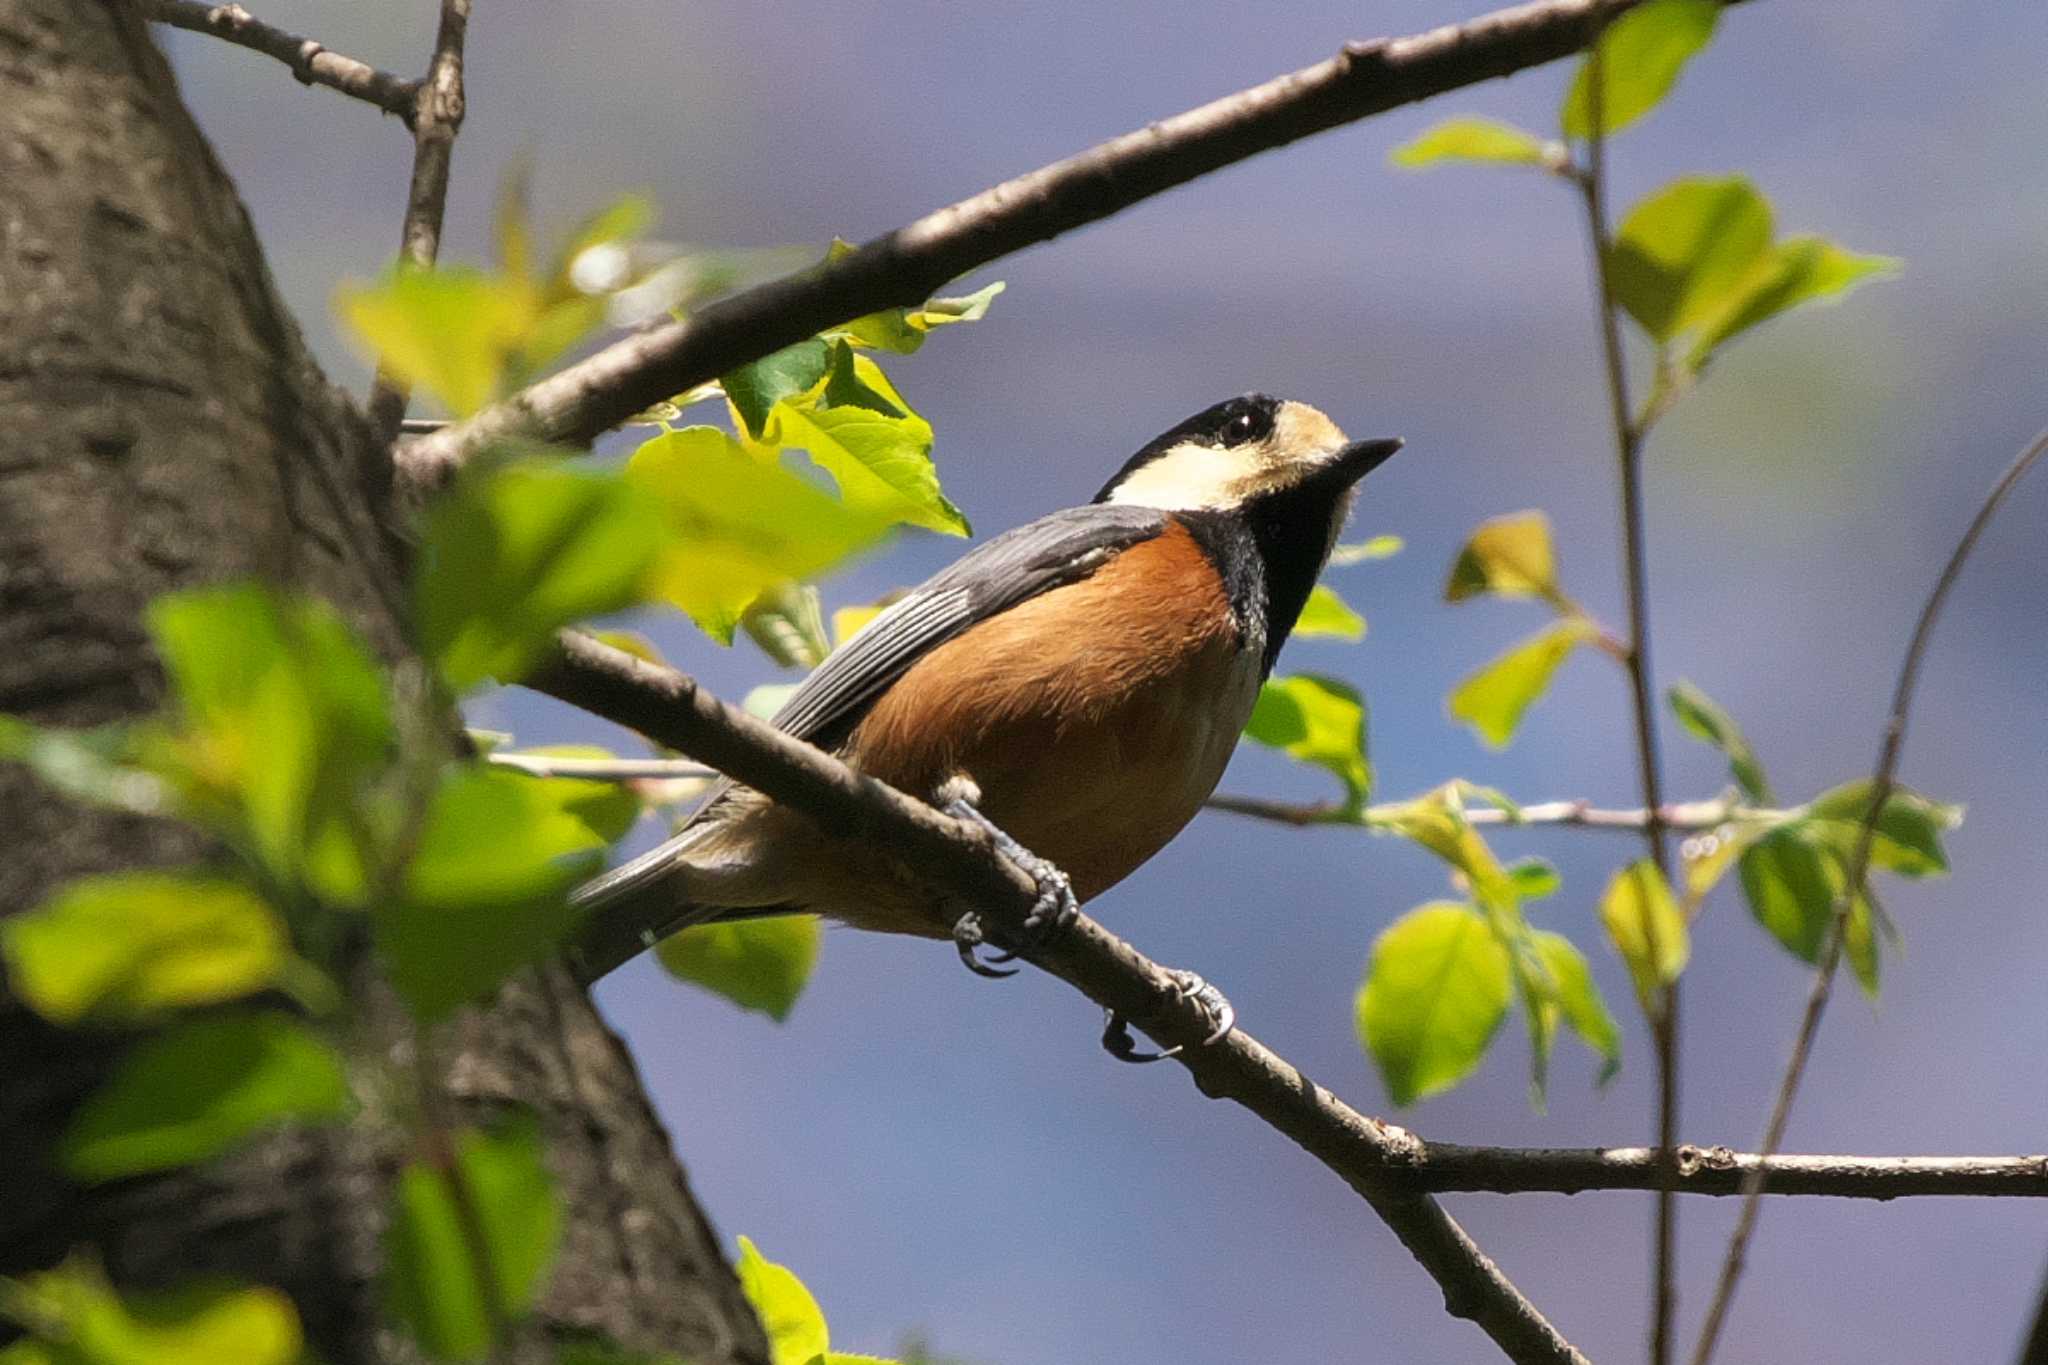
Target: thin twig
[(1444, 1168), (1628, 440), (437, 119), (1882, 782), (1678, 815), (672, 709), (906, 266), (603, 769), (312, 63)]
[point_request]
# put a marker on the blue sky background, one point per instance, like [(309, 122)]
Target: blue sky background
[(935, 1152)]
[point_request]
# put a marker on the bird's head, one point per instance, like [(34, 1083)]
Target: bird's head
[(1243, 452)]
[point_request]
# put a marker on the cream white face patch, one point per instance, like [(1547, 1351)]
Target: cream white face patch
[(1194, 476)]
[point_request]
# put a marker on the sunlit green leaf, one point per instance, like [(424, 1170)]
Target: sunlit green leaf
[(1471, 139), (1907, 839), (130, 947), (1791, 881), (1373, 547), (1328, 615), (486, 891), (1435, 991), (433, 1276), (281, 722), (788, 623), (1493, 699), (758, 964), (1685, 253), (767, 699), (755, 388), (1703, 717), (1508, 556), (514, 552), (1647, 928), (1641, 54), (1317, 720), (453, 331), (848, 622), (75, 1317), (789, 1315), (198, 1088), (738, 525), (1859, 945), (1796, 271), (1535, 878), (607, 809), (904, 329), (1579, 1000), (1708, 855), (1438, 824)]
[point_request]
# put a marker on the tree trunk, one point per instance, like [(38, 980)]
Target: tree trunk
[(162, 425)]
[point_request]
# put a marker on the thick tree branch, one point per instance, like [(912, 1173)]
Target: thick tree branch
[(671, 708), (1890, 749), (309, 61), (909, 264), (437, 119)]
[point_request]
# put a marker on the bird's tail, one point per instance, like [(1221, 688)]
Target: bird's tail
[(629, 908)]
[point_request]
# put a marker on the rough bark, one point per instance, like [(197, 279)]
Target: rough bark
[(162, 425)]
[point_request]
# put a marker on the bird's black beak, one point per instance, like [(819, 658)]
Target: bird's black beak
[(1360, 458)]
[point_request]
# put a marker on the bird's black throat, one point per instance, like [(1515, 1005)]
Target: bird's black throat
[(1269, 554)]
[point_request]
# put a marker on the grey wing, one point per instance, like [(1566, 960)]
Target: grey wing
[(1054, 550)]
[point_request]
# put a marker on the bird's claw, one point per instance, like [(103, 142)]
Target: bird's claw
[(1055, 908), (968, 939), (1215, 1006)]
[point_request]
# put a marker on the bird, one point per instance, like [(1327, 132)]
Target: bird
[(1075, 686)]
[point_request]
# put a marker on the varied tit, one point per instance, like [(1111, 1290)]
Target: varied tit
[(1076, 685)]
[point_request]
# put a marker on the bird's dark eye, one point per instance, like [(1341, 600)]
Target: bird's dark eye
[(1247, 425)]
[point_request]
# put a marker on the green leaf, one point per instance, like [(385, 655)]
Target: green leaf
[(1328, 616), (788, 623), (97, 766), (1434, 993), (790, 1316), (1641, 54), (1703, 717), (1686, 253), (738, 525), (1708, 856), (514, 552), (1493, 700), (77, 1318), (1373, 547), (1907, 839), (1509, 556), (1437, 822), (1647, 929), (131, 947), (767, 699), (282, 727), (753, 389), (607, 809), (454, 331), (1534, 878), (758, 964), (1579, 1000), (1317, 720), (1471, 139), (1797, 271), (903, 330), (1791, 881), (197, 1089), (434, 1280), (1859, 944), (856, 427)]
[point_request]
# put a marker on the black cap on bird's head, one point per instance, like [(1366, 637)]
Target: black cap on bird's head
[(1242, 451)]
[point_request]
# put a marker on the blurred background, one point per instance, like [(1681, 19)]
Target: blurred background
[(938, 1154)]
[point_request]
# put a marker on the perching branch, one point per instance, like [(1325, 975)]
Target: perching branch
[(437, 117), (906, 266), (670, 707), (1444, 1167), (309, 61), (1889, 752)]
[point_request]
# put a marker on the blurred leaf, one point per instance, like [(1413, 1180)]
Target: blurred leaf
[(631, 642), (1641, 54), (1647, 929), (859, 429), (1320, 721), (1907, 839), (486, 891), (1493, 700), (1374, 547), (788, 623), (432, 1279), (738, 525), (1508, 556), (1708, 856), (198, 1088), (788, 1313), (1797, 271), (1470, 139), (607, 809), (96, 766), (77, 1318), (1438, 824), (758, 964), (1685, 253), (452, 331), (767, 699), (848, 622), (1434, 994), (131, 947), (1534, 878), (1703, 717), (753, 389), (513, 553), (1579, 999), (1329, 616), (1859, 944), (283, 725)]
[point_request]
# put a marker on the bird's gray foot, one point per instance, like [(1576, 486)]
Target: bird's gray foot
[(1215, 1006), (1052, 912)]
